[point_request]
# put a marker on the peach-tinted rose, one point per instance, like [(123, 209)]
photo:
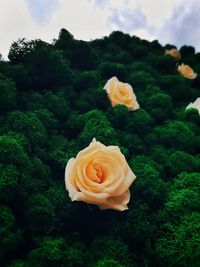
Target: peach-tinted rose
[(100, 175), (187, 71), (121, 93), (195, 104), (173, 53)]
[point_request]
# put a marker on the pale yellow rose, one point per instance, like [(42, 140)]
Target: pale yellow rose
[(100, 175), (173, 53), (187, 71), (121, 93)]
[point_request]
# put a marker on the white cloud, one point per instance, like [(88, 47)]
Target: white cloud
[(173, 21), (183, 25), (42, 10), (79, 17), (82, 19), (14, 23), (128, 20), (157, 11), (144, 34)]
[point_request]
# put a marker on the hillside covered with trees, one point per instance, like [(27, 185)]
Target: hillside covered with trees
[(52, 104)]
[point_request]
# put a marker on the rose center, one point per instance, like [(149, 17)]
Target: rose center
[(123, 92), (95, 173)]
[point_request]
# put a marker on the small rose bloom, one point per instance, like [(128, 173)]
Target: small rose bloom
[(121, 93), (187, 71), (173, 53), (195, 104), (100, 175)]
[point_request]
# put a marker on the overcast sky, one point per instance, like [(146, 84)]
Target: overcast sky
[(169, 21)]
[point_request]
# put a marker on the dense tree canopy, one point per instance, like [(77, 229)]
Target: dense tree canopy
[(52, 104)]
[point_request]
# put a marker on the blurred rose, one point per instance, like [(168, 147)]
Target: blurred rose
[(195, 104), (121, 93), (100, 175), (187, 71), (174, 53)]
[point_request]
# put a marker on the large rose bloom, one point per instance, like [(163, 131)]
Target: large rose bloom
[(100, 175), (187, 71), (173, 53), (121, 93)]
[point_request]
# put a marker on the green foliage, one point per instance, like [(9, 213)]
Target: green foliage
[(119, 38), (139, 52), (180, 245), (57, 104), (52, 105), (61, 151), (108, 263), (17, 263), (186, 50), (137, 228), (132, 142), (94, 97), (9, 177), (11, 152), (47, 118), (40, 170), (10, 236), (27, 124), (74, 125), (40, 215), (58, 197), (139, 122), (140, 79), (82, 56), (88, 79), (20, 50), (109, 247), (176, 86), (50, 252), (118, 116), (149, 186), (123, 57), (192, 115), (188, 180), (156, 105), (49, 69), (108, 70), (17, 73), (184, 196), (181, 161), (55, 252), (179, 242), (7, 95), (99, 127), (64, 43), (175, 134)]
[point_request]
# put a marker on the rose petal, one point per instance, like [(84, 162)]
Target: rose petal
[(187, 71), (110, 189), (117, 203), (121, 93)]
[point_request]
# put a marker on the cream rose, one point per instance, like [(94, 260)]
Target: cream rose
[(121, 93), (195, 104), (187, 71), (100, 175), (173, 53)]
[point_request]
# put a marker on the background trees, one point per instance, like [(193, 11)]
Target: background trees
[(7, 94)]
